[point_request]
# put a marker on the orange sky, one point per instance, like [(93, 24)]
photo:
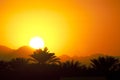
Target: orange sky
[(72, 27)]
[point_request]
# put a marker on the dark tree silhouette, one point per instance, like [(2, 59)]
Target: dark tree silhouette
[(104, 65), (4, 66), (71, 64), (18, 63), (71, 68), (45, 57)]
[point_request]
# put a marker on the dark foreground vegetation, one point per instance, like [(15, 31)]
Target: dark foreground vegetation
[(44, 65)]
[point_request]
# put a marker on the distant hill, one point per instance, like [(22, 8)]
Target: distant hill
[(64, 58), (84, 60), (24, 51), (7, 53), (4, 49)]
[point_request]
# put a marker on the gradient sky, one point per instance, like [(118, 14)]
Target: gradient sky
[(72, 27)]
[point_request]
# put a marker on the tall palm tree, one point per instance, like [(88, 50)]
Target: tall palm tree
[(45, 57), (104, 64)]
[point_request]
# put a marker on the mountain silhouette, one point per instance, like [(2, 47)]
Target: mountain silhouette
[(24, 51), (64, 58), (82, 59), (7, 53), (4, 49)]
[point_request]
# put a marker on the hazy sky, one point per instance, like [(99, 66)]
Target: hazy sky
[(73, 27)]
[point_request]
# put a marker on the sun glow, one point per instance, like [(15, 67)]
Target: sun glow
[(36, 43), (51, 26)]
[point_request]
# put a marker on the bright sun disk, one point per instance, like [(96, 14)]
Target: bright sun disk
[(36, 43)]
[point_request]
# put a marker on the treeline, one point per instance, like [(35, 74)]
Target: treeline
[(44, 65)]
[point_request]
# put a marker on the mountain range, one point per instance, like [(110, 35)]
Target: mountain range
[(8, 53)]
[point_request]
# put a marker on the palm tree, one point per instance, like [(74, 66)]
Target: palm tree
[(71, 64), (105, 64), (71, 68), (4, 66), (18, 63), (45, 57)]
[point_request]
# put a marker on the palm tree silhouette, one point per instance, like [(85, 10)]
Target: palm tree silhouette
[(71, 68), (18, 63), (105, 64), (45, 57), (4, 66), (71, 64)]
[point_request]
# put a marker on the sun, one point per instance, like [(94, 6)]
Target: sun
[(36, 43)]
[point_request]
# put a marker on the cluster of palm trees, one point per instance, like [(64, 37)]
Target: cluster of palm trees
[(45, 64)]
